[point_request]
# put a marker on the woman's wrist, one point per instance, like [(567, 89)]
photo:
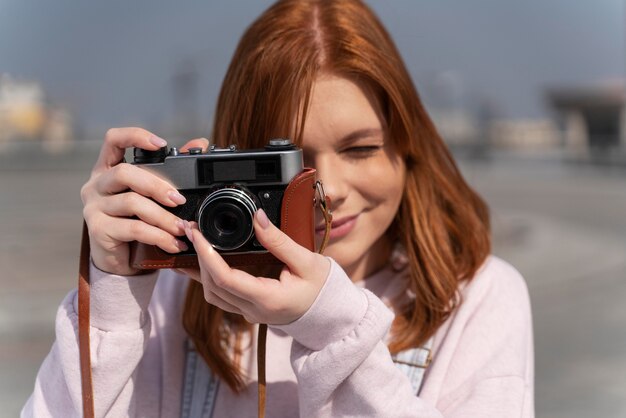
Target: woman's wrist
[(336, 311)]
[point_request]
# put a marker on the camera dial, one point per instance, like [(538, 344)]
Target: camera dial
[(143, 156), (280, 144), (226, 218)]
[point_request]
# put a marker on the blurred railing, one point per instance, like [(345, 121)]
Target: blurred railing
[(38, 155)]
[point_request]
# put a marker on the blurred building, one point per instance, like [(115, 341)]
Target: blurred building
[(526, 135), (470, 121), (26, 115), (481, 133), (592, 118), (457, 126), (587, 122)]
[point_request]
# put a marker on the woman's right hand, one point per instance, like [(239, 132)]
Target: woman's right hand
[(120, 203)]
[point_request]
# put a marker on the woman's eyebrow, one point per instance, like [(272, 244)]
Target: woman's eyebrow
[(361, 133)]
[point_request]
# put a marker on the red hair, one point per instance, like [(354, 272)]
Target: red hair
[(442, 223)]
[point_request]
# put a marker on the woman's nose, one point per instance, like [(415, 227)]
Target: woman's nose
[(333, 178)]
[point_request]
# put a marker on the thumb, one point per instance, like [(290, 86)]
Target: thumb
[(296, 257)]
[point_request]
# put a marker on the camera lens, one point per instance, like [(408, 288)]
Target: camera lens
[(226, 223), (225, 218)]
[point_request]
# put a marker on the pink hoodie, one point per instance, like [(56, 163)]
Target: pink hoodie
[(333, 361)]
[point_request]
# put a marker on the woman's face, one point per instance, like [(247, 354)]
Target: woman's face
[(344, 139)]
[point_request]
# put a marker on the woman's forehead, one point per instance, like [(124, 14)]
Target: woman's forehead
[(341, 111)]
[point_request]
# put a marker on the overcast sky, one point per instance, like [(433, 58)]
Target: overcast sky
[(112, 61)]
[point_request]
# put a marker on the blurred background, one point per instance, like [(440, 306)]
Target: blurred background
[(530, 96)]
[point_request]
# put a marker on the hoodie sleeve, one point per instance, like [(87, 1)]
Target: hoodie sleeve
[(120, 327), (341, 362)]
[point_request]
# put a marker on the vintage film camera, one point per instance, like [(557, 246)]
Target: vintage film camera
[(223, 188)]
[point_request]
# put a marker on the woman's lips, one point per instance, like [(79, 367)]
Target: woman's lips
[(339, 228)]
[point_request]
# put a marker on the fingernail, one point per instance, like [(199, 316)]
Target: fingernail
[(188, 231), (180, 225), (176, 197), (159, 142), (181, 245), (262, 218)]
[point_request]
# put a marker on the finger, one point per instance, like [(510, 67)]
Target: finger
[(126, 176), (297, 258), (133, 204), (196, 143), (237, 282), (117, 140), (209, 285), (211, 288), (215, 300), (127, 230)]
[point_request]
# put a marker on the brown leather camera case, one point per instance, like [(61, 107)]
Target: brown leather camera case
[(297, 221)]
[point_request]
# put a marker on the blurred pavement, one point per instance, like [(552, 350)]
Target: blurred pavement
[(562, 226)]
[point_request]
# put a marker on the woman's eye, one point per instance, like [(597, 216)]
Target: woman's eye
[(362, 151)]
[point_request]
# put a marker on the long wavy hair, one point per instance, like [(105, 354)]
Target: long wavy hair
[(442, 223)]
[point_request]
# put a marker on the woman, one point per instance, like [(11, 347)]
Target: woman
[(407, 265)]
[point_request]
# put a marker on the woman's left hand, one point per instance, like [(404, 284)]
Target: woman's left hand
[(260, 299)]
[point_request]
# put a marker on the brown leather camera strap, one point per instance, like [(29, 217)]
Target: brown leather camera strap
[(260, 362), (323, 202), (83, 316), (83, 325)]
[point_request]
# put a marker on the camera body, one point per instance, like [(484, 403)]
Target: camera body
[(225, 186)]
